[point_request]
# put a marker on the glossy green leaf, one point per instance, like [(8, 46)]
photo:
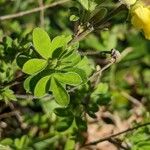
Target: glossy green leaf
[(42, 42), (70, 78), (42, 87), (34, 65), (60, 94)]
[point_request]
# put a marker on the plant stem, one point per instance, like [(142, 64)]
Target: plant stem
[(81, 36), (117, 134), (23, 13)]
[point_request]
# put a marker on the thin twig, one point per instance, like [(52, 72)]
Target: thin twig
[(5, 115), (23, 13), (13, 82), (18, 116), (98, 73), (41, 13), (94, 53), (30, 97), (81, 36), (117, 134), (131, 98), (118, 144), (91, 78)]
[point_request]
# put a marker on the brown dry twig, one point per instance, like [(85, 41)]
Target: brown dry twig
[(23, 13), (115, 135), (9, 114), (41, 13)]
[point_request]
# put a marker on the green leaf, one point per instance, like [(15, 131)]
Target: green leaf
[(87, 65), (57, 42), (22, 142), (21, 60), (89, 5), (81, 124), (7, 94), (70, 144), (6, 141), (34, 65), (74, 18), (60, 94), (71, 59), (80, 72), (64, 123), (26, 83), (84, 3), (63, 112), (42, 42), (35, 79), (92, 114), (31, 81), (49, 106), (3, 147), (102, 88), (74, 14), (70, 78), (42, 87)]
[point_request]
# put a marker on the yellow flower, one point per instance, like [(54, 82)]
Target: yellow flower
[(141, 18)]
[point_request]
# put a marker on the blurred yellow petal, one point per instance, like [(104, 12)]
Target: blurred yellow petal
[(141, 18), (136, 22), (147, 32)]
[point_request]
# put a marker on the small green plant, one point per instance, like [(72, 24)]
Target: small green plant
[(54, 87), (54, 69)]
